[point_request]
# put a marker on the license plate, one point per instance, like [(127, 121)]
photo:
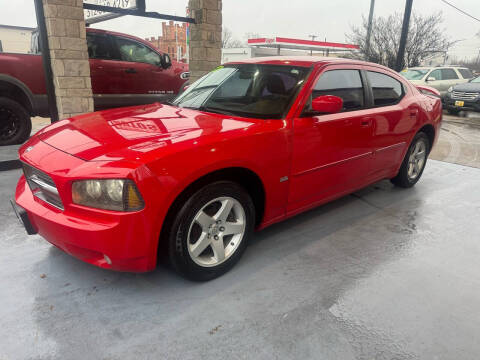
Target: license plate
[(459, 103)]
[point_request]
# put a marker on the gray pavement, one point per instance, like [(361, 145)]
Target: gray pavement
[(385, 273), (459, 140)]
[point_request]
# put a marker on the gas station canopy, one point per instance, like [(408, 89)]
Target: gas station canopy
[(299, 44)]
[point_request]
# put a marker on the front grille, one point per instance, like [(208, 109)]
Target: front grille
[(42, 186), (462, 95)]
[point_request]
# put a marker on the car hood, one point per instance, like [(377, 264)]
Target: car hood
[(127, 133), (467, 87)]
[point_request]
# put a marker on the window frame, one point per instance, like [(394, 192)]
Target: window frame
[(113, 52), (119, 55), (306, 112), (452, 70), (372, 99), (461, 74)]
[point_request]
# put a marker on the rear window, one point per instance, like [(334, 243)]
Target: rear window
[(449, 74), (346, 84), (466, 73), (386, 89)]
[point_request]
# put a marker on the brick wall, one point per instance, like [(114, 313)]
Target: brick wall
[(167, 44), (69, 54)]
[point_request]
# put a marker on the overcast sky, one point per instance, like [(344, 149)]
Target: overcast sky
[(324, 18)]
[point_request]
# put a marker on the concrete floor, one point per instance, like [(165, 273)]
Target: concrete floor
[(382, 274), (459, 140)]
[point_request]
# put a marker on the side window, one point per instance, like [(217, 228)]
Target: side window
[(99, 47), (135, 52), (346, 84), (435, 74), (386, 89), (466, 73), (449, 74)]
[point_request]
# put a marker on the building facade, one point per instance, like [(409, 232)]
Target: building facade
[(173, 40), (15, 39)]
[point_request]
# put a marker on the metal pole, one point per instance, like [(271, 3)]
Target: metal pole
[(403, 38), (47, 66), (313, 39), (369, 30)]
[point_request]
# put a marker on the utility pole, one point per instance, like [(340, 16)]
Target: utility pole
[(313, 39), (403, 38), (369, 30)]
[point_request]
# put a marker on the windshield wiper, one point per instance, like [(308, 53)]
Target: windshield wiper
[(216, 110)]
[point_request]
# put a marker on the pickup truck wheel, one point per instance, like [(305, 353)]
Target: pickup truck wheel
[(211, 231), (15, 124), (414, 162)]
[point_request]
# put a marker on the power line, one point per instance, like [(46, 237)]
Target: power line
[(463, 12)]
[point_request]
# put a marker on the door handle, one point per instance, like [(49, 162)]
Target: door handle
[(366, 123), (131, 71), (413, 113)]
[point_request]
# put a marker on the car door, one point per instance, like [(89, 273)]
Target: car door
[(434, 79), (143, 75), (331, 153), (394, 117), (105, 71)]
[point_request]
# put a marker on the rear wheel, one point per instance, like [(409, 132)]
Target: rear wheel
[(414, 162), (15, 124), (211, 231)]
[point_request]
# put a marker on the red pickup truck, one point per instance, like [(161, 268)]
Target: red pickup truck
[(125, 70)]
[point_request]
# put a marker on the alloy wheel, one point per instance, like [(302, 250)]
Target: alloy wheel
[(216, 231), (417, 159)]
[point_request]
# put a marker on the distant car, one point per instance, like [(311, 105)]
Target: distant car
[(463, 97), (440, 78), (247, 145), (125, 70)]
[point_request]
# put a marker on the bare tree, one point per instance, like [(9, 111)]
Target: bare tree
[(425, 37), (228, 40)]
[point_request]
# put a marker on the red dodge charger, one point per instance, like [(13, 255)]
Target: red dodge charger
[(249, 144)]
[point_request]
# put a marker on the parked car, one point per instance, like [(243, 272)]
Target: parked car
[(247, 145), (440, 78), (125, 70), (463, 97)]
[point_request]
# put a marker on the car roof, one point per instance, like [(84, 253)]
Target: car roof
[(136, 38)]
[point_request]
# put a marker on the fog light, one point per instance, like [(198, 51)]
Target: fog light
[(107, 259)]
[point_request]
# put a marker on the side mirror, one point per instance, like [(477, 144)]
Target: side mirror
[(165, 61), (431, 78), (327, 104)]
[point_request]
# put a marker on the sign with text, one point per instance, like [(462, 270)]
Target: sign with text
[(94, 16)]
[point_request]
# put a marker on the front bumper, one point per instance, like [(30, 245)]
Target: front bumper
[(108, 242), (473, 105), (124, 241)]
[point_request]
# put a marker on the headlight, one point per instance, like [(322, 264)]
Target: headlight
[(450, 89), (112, 194)]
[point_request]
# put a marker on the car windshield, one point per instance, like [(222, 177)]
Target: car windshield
[(247, 90), (414, 74), (476, 80)]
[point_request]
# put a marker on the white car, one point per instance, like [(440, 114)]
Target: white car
[(440, 78)]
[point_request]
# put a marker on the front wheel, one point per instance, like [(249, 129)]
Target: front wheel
[(211, 231), (414, 162), (15, 124)]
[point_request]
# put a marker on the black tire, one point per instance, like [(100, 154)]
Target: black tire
[(15, 124), (178, 237), (403, 179), (453, 111)]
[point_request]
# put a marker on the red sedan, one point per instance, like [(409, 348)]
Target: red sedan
[(248, 145)]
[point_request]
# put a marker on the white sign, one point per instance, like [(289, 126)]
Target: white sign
[(93, 16)]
